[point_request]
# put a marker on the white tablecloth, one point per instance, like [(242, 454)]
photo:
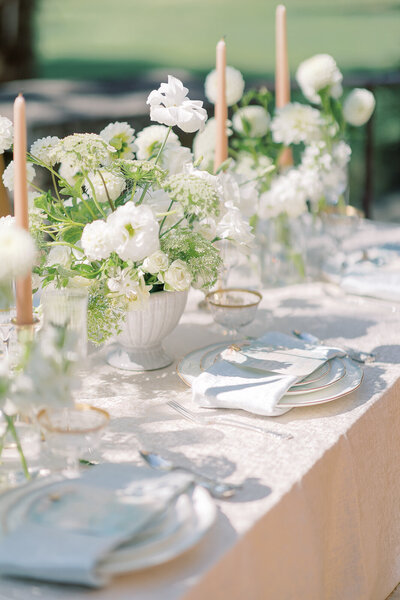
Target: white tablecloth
[(319, 516)]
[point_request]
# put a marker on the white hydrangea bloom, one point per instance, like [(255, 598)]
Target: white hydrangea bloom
[(59, 255), (103, 179), (204, 143), (135, 231), (234, 86), (286, 195), (149, 140), (97, 240), (317, 73), (6, 134), (8, 175), (17, 250), (121, 137), (177, 277), (257, 118), (169, 105), (156, 262), (358, 106), (295, 123), (41, 149)]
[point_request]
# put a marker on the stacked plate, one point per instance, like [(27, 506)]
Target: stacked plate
[(334, 379), (177, 529)]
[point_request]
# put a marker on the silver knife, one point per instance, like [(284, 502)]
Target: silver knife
[(357, 355)]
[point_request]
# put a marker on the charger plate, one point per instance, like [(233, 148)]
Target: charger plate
[(179, 528)]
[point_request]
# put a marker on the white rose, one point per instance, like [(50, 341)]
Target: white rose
[(156, 262), (59, 255), (317, 73), (234, 86), (358, 107), (134, 231), (257, 118), (177, 277), (96, 240)]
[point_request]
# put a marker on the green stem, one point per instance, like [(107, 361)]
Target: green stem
[(65, 244), (110, 202), (56, 189), (14, 433), (146, 187), (173, 227), (169, 208), (2, 439), (101, 211)]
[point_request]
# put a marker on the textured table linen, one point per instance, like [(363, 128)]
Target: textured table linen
[(319, 516)]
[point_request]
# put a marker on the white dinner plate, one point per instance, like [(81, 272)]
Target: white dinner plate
[(179, 528), (350, 382), (193, 364)]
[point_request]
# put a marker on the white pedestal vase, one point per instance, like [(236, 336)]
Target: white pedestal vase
[(140, 343)]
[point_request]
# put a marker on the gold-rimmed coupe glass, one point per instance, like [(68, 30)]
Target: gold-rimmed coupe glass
[(233, 308), (71, 431)]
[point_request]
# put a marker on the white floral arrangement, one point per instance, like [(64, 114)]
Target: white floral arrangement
[(315, 132), (129, 213)]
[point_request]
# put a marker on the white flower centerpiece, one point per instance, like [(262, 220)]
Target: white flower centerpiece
[(134, 220), (317, 177)]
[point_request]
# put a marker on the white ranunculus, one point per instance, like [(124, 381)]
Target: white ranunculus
[(135, 231), (42, 147), (150, 139), (59, 255), (121, 137), (257, 118), (234, 86), (103, 179), (174, 158), (296, 123), (17, 250), (358, 106), (169, 105), (6, 134), (317, 73), (97, 241), (177, 277), (8, 175), (156, 262), (68, 172)]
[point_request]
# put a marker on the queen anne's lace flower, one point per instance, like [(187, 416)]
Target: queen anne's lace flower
[(17, 250), (86, 151), (295, 123), (316, 74), (170, 106), (41, 149), (358, 106), (69, 173), (135, 231), (97, 240), (234, 86), (149, 140), (256, 117), (6, 134), (197, 196), (121, 137), (8, 175), (105, 182)]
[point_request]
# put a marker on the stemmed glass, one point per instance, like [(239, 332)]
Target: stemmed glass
[(233, 308), (71, 431)]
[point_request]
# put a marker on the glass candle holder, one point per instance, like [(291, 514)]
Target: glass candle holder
[(71, 431), (68, 307)]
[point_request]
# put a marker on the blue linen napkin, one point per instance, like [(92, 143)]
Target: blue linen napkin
[(255, 377), (72, 525)]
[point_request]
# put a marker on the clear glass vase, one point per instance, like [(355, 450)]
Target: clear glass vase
[(20, 447), (281, 251)]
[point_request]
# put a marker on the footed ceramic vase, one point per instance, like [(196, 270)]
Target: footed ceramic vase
[(140, 343)]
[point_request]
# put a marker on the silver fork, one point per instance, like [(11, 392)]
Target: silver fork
[(204, 420)]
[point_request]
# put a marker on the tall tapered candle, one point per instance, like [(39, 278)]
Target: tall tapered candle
[(221, 109), (23, 285), (282, 76)]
